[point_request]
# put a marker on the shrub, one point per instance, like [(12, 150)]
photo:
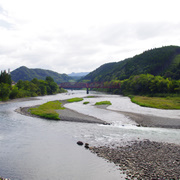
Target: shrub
[(86, 102)]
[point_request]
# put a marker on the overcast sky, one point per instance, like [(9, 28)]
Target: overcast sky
[(80, 35)]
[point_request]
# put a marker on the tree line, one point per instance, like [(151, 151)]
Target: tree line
[(22, 89), (146, 84)]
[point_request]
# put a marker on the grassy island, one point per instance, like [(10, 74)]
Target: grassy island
[(103, 103), (48, 110), (76, 99)]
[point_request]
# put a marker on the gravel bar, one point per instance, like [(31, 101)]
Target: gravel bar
[(144, 159), (153, 121), (65, 115)]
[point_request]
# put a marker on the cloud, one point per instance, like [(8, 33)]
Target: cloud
[(76, 36), (5, 24)]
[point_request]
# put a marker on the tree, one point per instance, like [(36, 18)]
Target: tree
[(35, 81), (52, 86), (43, 89), (14, 93), (49, 79), (4, 91), (5, 78), (20, 84)]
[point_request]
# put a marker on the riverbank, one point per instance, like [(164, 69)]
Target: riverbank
[(144, 159)]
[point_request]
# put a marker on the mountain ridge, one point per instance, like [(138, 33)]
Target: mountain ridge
[(164, 61), (24, 73)]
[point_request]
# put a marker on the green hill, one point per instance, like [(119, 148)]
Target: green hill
[(25, 73), (164, 61)]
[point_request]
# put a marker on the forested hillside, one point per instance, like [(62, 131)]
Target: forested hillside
[(24, 73), (164, 61)]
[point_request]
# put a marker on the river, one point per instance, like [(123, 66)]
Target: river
[(34, 148)]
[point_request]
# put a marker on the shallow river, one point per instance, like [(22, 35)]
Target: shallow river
[(33, 148)]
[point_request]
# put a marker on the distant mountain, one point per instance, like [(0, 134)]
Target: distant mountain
[(25, 73), (77, 76), (164, 61)]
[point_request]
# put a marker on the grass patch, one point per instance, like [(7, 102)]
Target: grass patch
[(90, 96), (86, 102), (103, 103), (47, 110), (157, 102), (76, 99)]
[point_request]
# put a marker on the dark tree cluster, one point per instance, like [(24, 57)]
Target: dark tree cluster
[(34, 88), (5, 77), (5, 85), (22, 88), (147, 84)]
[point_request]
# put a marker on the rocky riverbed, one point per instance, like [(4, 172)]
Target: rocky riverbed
[(144, 159)]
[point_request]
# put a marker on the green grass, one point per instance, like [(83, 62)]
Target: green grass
[(86, 102), (157, 102), (76, 99), (90, 96), (47, 110), (103, 103)]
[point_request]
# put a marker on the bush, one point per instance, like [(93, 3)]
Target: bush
[(86, 102)]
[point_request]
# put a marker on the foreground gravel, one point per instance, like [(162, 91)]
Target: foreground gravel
[(144, 159)]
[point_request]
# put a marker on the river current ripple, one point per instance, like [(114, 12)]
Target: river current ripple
[(33, 148)]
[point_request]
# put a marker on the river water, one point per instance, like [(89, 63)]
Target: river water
[(33, 148)]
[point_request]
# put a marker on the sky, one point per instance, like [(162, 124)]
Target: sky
[(80, 35)]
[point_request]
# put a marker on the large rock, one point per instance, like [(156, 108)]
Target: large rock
[(80, 143)]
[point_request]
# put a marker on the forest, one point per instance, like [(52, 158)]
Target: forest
[(164, 61), (26, 88)]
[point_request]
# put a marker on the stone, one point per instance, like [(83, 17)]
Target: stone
[(80, 143), (86, 145)]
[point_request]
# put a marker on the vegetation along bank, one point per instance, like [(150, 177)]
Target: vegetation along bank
[(26, 88)]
